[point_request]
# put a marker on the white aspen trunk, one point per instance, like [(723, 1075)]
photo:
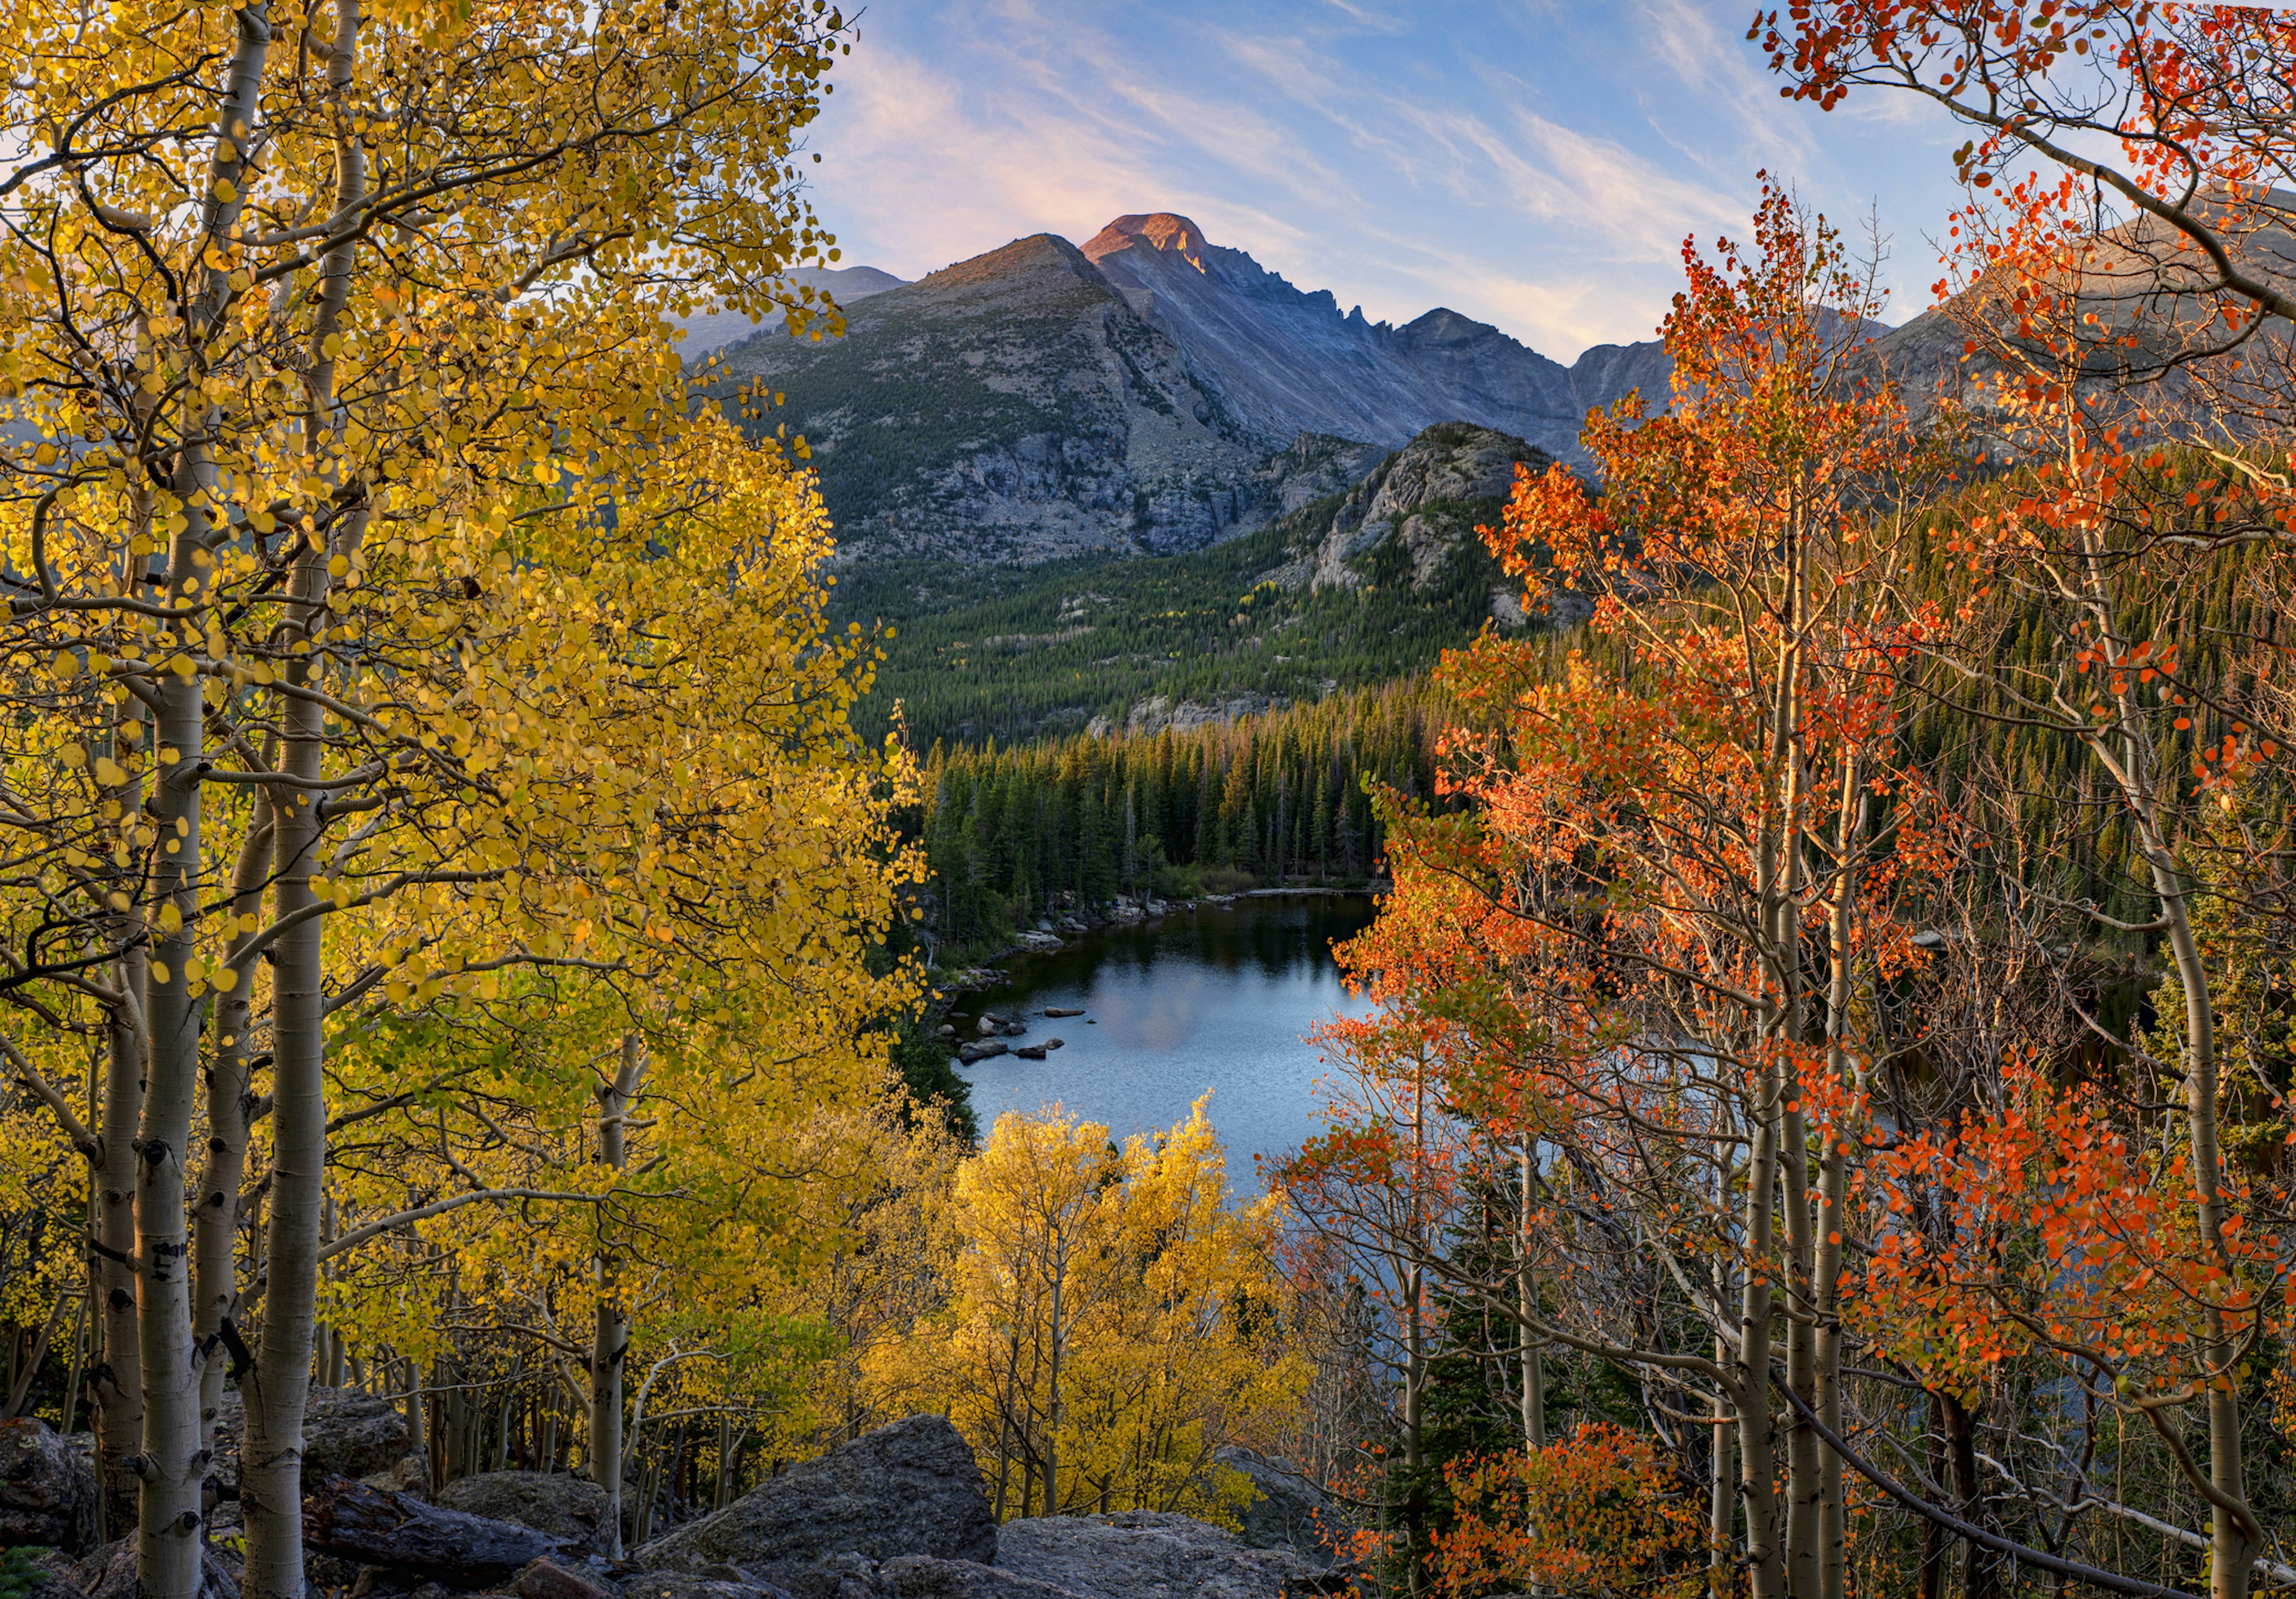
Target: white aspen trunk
[(1803, 1509), (279, 1388), (1053, 1404), (1526, 1288), (609, 1338), (2236, 1536), (230, 1103), (2233, 1546), (1833, 1180), (173, 1461), (1721, 1501), (116, 1377), (1765, 1551)]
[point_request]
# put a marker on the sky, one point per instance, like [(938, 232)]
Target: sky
[(1530, 163)]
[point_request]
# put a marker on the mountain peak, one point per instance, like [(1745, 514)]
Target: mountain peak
[(1156, 230)]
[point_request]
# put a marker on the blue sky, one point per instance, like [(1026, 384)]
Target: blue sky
[(1531, 164)]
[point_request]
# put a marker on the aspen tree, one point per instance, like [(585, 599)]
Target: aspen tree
[(314, 314)]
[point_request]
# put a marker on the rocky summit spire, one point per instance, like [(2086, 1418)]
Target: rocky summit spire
[(1153, 230)]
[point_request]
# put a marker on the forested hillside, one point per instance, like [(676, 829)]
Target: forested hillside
[(983, 652)]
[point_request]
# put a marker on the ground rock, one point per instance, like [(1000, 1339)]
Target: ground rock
[(909, 1488), (570, 1509), (546, 1578), (109, 1572), (346, 1433), (922, 1577), (1144, 1554), (47, 1492), (712, 1582), (1284, 1515)]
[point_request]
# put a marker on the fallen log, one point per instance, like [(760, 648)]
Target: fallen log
[(382, 1527)]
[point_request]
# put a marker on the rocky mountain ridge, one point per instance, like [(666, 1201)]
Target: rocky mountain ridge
[(1288, 362), (1149, 393)]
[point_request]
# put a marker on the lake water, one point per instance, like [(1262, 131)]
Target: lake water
[(1217, 998)]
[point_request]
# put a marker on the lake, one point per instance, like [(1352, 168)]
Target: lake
[(1220, 998)]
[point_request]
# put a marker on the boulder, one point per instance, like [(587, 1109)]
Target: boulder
[(1055, 1010), (47, 1490), (922, 1577), (109, 1572), (1284, 1513), (570, 1509), (969, 1053), (909, 1488), (1030, 1052), (1140, 1553), (546, 1578), (713, 1582), (346, 1433)]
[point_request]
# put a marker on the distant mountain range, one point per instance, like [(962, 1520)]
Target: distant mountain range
[(1151, 391)]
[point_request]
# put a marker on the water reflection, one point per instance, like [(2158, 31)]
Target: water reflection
[(1216, 999)]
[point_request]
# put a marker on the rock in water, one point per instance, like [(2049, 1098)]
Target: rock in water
[(346, 1433), (1055, 1010), (909, 1488), (1030, 1052), (570, 1509), (47, 1493), (1140, 1553)]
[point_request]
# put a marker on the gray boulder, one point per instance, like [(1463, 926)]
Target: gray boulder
[(922, 1577), (716, 1582), (109, 1572), (47, 1490), (1140, 1553), (346, 1433), (909, 1488), (1284, 1515), (570, 1509)]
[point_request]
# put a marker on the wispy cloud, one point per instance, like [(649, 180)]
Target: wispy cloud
[(1527, 163)]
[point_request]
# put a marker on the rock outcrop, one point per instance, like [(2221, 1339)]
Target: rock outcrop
[(570, 1509), (346, 1433), (912, 1489), (47, 1493), (1137, 1553), (1425, 501), (1287, 1511)]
